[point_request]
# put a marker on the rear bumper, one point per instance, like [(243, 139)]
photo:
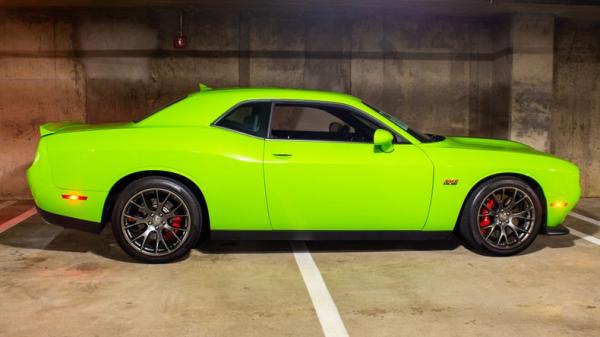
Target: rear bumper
[(48, 197), (68, 222)]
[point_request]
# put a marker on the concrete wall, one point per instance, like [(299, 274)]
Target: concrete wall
[(40, 80), (499, 116), (576, 100), (532, 41), (449, 75)]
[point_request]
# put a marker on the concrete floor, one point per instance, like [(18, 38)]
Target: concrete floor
[(56, 282)]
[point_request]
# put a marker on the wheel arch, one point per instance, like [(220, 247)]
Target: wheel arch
[(126, 180), (527, 179)]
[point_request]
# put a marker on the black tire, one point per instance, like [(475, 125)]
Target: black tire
[(474, 228), (172, 192)]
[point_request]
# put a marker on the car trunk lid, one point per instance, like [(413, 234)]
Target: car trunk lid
[(71, 126)]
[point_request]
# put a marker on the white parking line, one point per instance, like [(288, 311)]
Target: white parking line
[(7, 203), (584, 236), (17, 220), (585, 218), (327, 312)]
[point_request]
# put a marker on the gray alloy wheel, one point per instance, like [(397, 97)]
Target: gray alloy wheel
[(155, 221), (506, 217), (501, 216)]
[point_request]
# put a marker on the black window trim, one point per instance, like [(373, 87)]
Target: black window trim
[(274, 102), (237, 105), (380, 125)]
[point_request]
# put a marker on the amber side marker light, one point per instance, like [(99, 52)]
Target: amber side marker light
[(559, 204), (74, 197)]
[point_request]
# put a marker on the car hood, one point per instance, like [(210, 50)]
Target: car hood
[(485, 144)]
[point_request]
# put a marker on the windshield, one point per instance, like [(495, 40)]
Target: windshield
[(422, 137)]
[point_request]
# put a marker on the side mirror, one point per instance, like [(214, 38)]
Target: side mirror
[(383, 140)]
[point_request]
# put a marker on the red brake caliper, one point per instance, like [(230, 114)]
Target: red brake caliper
[(485, 219), (176, 223)]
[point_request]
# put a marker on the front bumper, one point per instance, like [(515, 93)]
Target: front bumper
[(554, 231)]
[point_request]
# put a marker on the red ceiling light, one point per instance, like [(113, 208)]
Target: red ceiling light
[(180, 41)]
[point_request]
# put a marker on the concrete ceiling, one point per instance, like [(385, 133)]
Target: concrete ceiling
[(568, 8)]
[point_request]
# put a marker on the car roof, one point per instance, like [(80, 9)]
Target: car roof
[(278, 93), (205, 106)]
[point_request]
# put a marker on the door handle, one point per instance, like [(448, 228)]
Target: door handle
[(282, 155)]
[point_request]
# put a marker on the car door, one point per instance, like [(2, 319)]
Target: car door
[(322, 172), (235, 189)]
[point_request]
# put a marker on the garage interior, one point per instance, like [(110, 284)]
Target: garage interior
[(528, 71)]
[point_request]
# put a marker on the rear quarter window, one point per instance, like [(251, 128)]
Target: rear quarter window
[(249, 118)]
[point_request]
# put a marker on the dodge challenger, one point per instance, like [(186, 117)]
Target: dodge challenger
[(289, 164)]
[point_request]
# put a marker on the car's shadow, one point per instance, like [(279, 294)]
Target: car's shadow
[(249, 247), (104, 245)]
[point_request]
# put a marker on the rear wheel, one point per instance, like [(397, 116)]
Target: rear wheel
[(501, 217), (156, 220)]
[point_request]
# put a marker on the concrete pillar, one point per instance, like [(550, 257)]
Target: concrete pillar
[(532, 40)]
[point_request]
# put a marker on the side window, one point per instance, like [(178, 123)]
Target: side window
[(320, 122), (250, 118)]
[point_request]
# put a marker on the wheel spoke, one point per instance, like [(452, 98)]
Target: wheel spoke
[(511, 203), (522, 217), (162, 204), (171, 212), (490, 213), (162, 239), (171, 229), (182, 229), (157, 242), (137, 237), (145, 202), (137, 205), (146, 234), (502, 235), (491, 231), (138, 221), (488, 225), (134, 224), (510, 199), (516, 228), (170, 216), (522, 212), (514, 232), (518, 202), (498, 199)]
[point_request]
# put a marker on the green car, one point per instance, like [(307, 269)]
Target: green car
[(293, 164)]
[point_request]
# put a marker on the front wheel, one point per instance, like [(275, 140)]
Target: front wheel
[(156, 220), (501, 217)]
